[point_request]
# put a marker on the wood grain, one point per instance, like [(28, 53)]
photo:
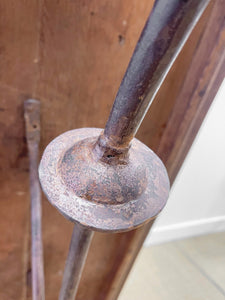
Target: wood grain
[(72, 56), (14, 237), (189, 112), (207, 66)]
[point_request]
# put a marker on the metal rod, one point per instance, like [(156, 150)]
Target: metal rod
[(32, 120), (80, 242), (167, 28)]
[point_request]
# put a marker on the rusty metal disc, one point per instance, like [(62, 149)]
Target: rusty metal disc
[(105, 197)]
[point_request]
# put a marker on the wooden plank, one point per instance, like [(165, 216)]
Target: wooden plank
[(85, 48), (195, 96), (18, 48), (210, 69), (72, 56), (155, 122), (14, 255)]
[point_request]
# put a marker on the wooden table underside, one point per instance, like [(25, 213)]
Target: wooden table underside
[(72, 56)]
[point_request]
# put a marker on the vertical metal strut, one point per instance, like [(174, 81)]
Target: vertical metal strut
[(32, 120), (101, 179), (80, 242)]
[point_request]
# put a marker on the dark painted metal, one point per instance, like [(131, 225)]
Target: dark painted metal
[(166, 30), (80, 242), (32, 121), (108, 180)]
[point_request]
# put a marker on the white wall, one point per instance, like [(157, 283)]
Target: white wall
[(197, 200)]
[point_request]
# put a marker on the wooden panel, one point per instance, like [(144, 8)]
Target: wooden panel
[(85, 48), (72, 56), (201, 76), (155, 122), (18, 50), (18, 46), (14, 238), (195, 96)]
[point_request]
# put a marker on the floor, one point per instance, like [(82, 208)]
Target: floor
[(191, 269)]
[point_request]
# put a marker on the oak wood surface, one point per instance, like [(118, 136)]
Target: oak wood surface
[(204, 54), (72, 56)]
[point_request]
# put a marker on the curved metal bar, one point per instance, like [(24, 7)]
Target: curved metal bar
[(165, 32), (167, 28)]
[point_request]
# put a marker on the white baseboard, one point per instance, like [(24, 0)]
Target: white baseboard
[(163, 234)]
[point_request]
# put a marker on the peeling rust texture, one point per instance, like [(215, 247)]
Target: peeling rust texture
[(32, 122), (99, 195)]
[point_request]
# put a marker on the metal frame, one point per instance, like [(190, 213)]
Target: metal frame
[(107, 180)]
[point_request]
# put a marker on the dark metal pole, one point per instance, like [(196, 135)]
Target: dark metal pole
[(32, 120), (80, 242), (98, 178), (166, 30)]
